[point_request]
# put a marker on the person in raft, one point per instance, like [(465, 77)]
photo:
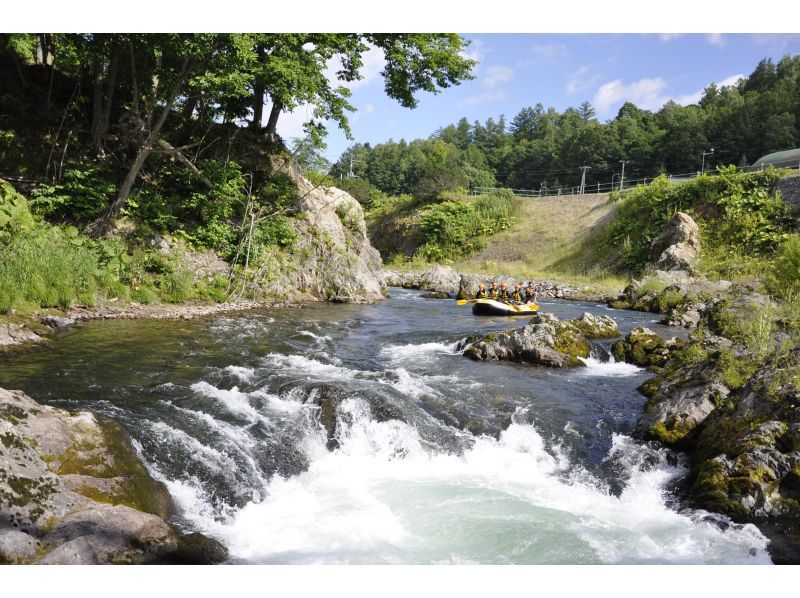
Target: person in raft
[(481, 294), (505, 294), (517, 296), (530, 295), (494, 292)]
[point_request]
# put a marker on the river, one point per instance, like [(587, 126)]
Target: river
[(435, 459)]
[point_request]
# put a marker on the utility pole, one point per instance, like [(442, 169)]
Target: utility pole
[(583, 178), (622, 176), (350, 174), (703, 167)]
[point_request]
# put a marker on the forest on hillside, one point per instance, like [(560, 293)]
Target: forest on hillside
[(542, 148)]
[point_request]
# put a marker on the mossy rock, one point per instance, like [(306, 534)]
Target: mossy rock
[(619, 304), (650, 387), (619, 349), (570, 342), (674, 433)]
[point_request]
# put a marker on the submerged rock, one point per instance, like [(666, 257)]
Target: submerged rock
[(436, 295), (72, 486), (546, 341)]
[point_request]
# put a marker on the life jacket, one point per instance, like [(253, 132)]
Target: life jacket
[(494, 293), (481, 294), (517, 296), (505, 295), (530, 293)]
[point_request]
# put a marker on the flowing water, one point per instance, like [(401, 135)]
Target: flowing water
[(434, 459)]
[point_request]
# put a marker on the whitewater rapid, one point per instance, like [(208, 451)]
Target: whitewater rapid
[(386, 496)]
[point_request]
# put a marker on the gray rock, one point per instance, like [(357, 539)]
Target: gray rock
[(116, 534), (332, 258), (52, 466), (75, 552), (441, 279), (676, 248), (17, 547), (16, 334), (198, 549), (57, 322)]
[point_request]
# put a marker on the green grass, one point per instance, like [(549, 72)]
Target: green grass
[(48, 270)]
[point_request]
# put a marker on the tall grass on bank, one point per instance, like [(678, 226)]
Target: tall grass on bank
[(47, 270)]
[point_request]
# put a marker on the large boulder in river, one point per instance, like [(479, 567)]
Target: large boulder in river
[(72, 490), (546, 341), (676, 248)]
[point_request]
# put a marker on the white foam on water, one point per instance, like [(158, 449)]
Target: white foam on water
[(383, 498), (611, 368), (234, 401), (412, 352), (244, 374), (203, 452), (309, 368), (322, 339)]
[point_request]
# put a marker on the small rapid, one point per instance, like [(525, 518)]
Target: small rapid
[(358, 434)]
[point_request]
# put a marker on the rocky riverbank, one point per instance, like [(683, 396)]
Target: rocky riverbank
[(444, 279), (37, 329), (72, 491)]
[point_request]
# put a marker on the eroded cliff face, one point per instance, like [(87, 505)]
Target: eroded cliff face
[(332, 259)]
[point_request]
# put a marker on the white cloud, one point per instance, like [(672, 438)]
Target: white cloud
[(477, 51), (374, 62), (549, 50), (648, 94), (368, 109), (497, 74), (668, 37), (716, 39), (645, 93), (290, 124), (487, 96), (579, 81)]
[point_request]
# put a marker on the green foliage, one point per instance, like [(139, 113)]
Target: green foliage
[(454, 228), (83, 195), (15, 215), (736, 211)]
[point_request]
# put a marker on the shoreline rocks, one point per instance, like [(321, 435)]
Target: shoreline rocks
[(72, 490)]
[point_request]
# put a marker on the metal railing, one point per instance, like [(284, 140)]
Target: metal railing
[(598, 187)]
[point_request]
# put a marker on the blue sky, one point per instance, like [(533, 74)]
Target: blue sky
[(560, 70)]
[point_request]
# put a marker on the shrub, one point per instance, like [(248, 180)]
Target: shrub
[(82, 195)]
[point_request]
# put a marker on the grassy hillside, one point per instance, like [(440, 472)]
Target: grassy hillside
[(548, 235)]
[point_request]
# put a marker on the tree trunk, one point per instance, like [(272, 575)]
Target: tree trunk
[(272, 123), (258, 106), (97, 103), (105, 223), (111, 84)]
